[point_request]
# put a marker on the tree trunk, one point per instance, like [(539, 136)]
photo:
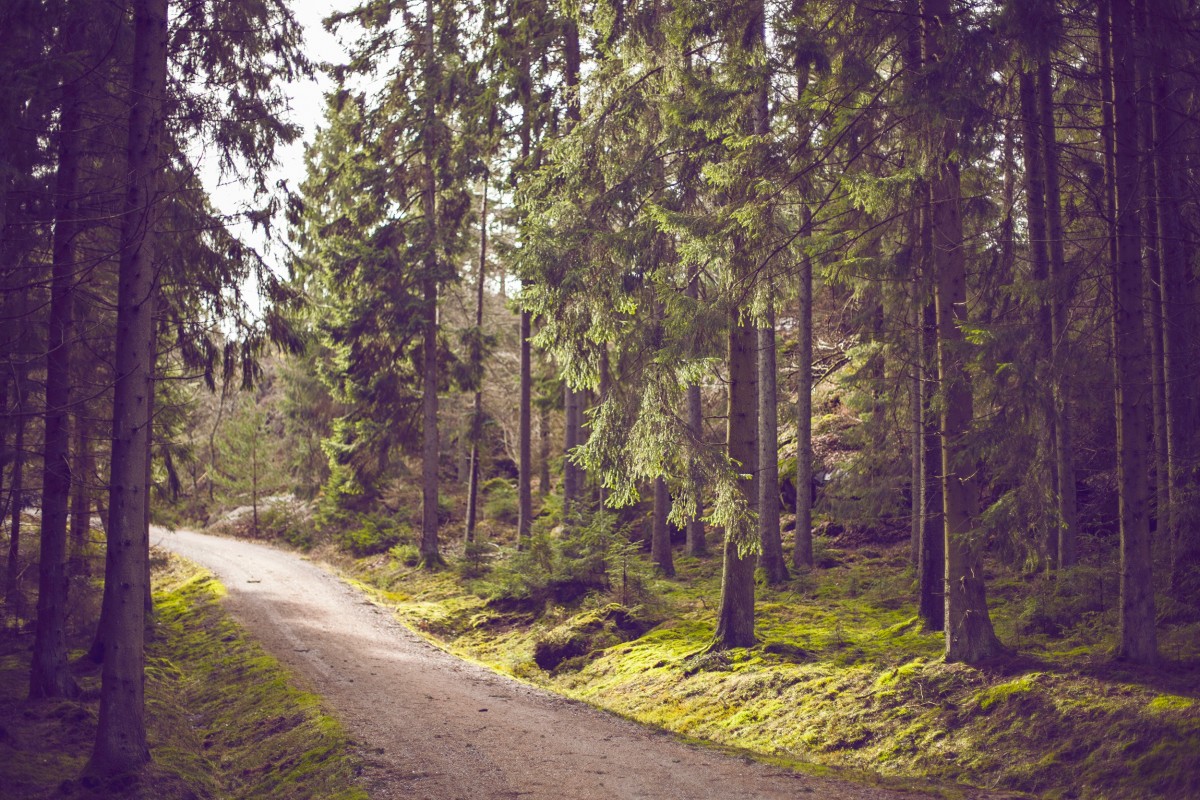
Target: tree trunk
[(570, 440), (121, 732), (1060, 295), (49, 675), (768, 453), (544, 451), (13, 596), (1039, 260), (477, 358), (802, 547), (1179, 298), (525, 476), (931, 568), (1138, 639), (81, 497), (969, 634), (735, 617), (697, 545), (660, 531), (431, 556)]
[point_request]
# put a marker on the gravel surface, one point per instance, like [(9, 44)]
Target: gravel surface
[(434, 727)]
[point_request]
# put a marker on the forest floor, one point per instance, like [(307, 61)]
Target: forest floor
[(843, 675), (224, 720), (430, 725)]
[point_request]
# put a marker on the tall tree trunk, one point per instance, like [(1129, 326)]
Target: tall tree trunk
[(1179, 297), (735, 617), (969, 634), (1039, 260), (697, 545), (570, 440), (49, 675), (1060, 295), (802, 545), (543, 450), (13, 595), (769, 534), (121, 732), (931, 567), (660, 531), (1154, 303), (81, 497), (477, 359), (1138, 639), (431, 556), (525, 446)]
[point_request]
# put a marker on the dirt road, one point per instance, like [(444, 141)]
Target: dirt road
[(434, 727)]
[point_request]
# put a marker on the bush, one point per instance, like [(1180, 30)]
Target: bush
[(500, 501), (375, 534)]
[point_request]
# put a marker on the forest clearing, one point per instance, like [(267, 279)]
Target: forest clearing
[(814, 379)]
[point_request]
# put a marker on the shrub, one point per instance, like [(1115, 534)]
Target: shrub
[(375, 534)]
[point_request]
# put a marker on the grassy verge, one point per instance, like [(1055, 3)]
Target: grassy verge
[(223, 718), (843, 677)]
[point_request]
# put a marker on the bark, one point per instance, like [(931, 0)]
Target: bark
[(802, 547), (121, 734), (931, 566), (431, 556), (1138, 639), (969, 634), (81, 498), (544, 451), (735, 617), (1179, 299), (477, 407), (697, 545), (570, 441), (524, 479), (1060, 293), (49, 676), (660, 531), (13, 595), (1039, 261), (769, 534)]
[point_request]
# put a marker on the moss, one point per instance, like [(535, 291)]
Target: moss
[(1002, 692), (1171, 702)]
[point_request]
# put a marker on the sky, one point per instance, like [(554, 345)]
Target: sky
[(307, 104)]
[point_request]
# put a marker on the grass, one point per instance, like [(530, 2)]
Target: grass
[(844, 677), (224, 719)]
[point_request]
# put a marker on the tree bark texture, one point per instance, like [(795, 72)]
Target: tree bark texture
[(49, 675), (768, 454), (969, 634), (802, 544), (477, 405), (121, 733), (735, 617), (660, 531), (1138, 639)]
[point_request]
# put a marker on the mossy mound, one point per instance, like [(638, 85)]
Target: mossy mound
[(583, 636)]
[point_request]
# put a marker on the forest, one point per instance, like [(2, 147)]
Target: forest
[(813, 378)]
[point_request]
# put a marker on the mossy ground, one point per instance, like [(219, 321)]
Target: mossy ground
[(845, 677), (223, 719)]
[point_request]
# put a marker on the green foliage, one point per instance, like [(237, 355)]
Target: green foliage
[(375, 534), (500, 501)]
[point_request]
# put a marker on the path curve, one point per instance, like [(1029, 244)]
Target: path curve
[(434, 727)]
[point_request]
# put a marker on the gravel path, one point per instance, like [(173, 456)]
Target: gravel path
[(433, 727)]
